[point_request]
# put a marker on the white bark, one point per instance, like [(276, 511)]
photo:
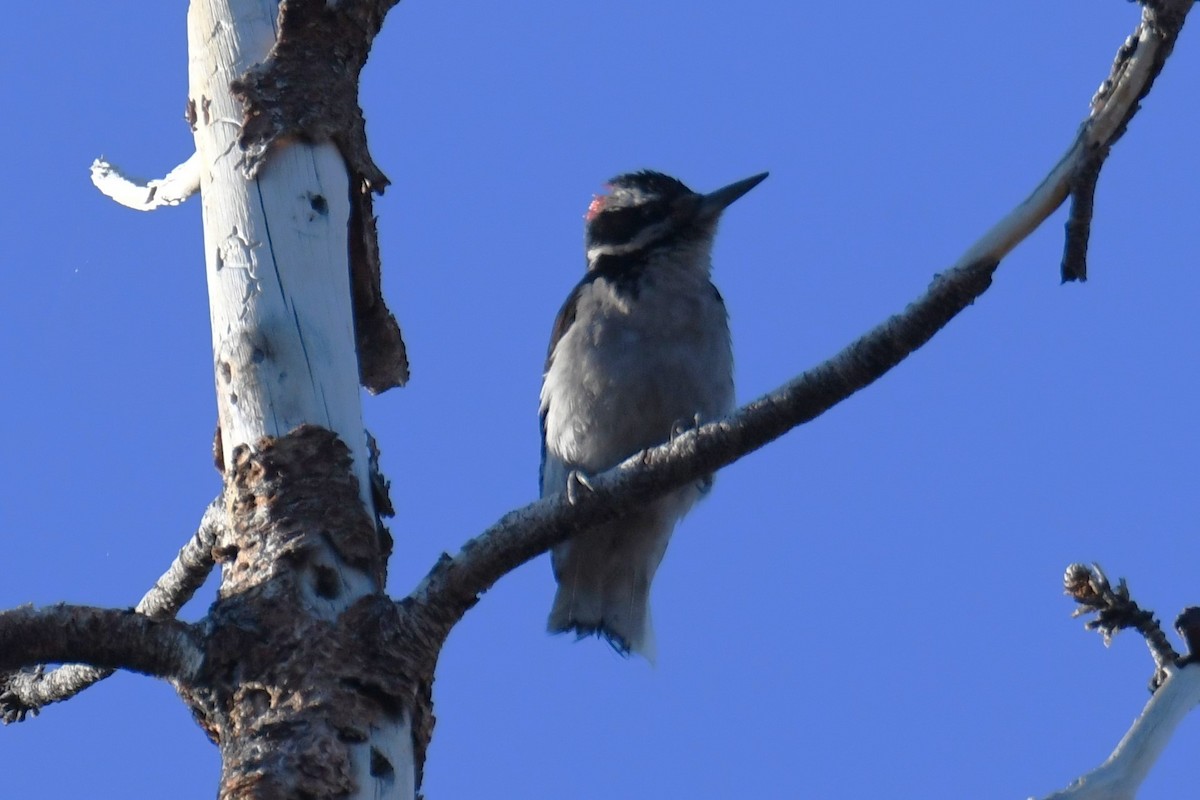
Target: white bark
[(275, 254), (276, 258), (1119, 777)]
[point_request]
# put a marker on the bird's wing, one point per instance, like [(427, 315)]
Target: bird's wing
[(562, 323)]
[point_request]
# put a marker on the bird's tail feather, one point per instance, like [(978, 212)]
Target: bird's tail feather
[(604, 577), (618, 613)]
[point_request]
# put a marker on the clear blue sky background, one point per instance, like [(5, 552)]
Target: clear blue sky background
[(870, 606)]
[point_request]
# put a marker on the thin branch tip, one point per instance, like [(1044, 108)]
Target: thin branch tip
[(1078, 228), (1115, 611)]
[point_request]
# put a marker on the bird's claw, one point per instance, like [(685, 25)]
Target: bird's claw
[(575, 481)]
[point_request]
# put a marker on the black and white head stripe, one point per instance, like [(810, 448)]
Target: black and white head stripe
[(642, 208)]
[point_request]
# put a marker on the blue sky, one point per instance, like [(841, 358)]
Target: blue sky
[(871, 604)]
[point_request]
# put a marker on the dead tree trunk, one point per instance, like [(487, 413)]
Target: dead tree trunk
[(296, 706)]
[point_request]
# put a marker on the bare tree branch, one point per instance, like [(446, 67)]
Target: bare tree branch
[(1079, 220), (102, 637), (29, 690), (1119, 777), (1138, 62), (190, 568), (455, 583), (170, 190)]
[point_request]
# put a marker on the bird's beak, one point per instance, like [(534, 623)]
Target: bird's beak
[(714, 203)]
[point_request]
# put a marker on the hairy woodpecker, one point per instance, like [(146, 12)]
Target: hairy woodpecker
[(640, 348)]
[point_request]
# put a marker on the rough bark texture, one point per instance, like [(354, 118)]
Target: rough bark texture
[(289, 691)]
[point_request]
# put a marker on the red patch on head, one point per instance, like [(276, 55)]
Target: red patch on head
[(597, 204)]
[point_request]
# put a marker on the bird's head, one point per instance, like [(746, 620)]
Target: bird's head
[(644, 212)]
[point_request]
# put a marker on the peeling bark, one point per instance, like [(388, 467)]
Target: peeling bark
[(307, 89)]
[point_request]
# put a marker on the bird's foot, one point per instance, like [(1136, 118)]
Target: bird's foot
[(682, 426)]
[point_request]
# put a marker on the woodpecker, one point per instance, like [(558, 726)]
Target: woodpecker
[(640, 349)]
